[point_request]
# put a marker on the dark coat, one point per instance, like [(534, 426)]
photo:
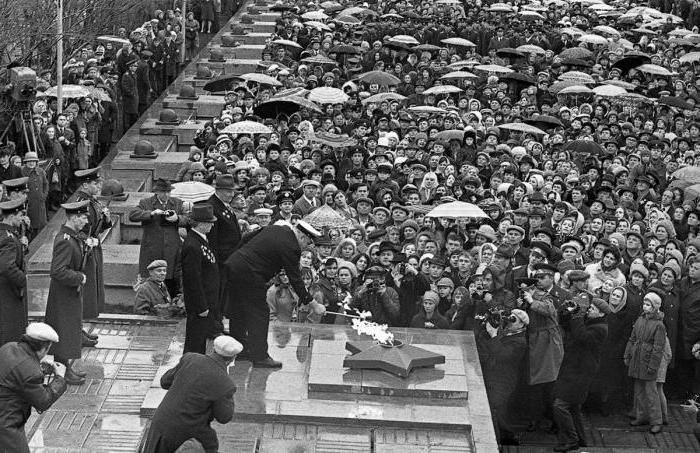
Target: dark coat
[(670, 307), (225, 234), (13, 285), (645, 347), (546, 346), (143, 83), (200, 274), (161, 240), (264, 253), (690, 317), (199, 391), (130, 93), (582, 350), (64, 307), (21, 388), (505, 357), (149, 294), (38, 186), (439, 321), (94, 288), (11, 172)]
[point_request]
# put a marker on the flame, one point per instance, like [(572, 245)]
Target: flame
[(379, 332)]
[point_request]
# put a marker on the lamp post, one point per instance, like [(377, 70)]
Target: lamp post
[(183, 47), (59, 55)]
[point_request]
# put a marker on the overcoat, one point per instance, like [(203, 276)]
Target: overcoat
[(38, 186), (64, 307), (161, 240), (670, 307), (199, 391), (13, 284), (690, 318), (646, 346), (226, 233), (130, 93), (200, 274), (21, 388), (94, 288), (545, 344)]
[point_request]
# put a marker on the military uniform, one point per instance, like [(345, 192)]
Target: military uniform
[(13, 281)]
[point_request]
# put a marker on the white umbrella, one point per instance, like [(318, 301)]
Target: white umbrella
[(690, 57), (192, 191), (260, 78), (530, 48), (404, 39), (328, 95), (458, 42), (496, 68), (442, 89), (318, 25), (456, 210), (593, 39), (575, 89), (609, 90), (246, 127), (654, 69), (68, 92), (576, 76), (459, 75), (286, 42), (315, 15), (606, 29)]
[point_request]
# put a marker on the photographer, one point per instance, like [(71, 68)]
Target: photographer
[(410, 285), (586, 328), (376, 297), (22, 383), (489, 292)]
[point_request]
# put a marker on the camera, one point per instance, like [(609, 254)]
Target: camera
[(169, 213), (402, 268), (493, 316), (570, 306), (23, 83)]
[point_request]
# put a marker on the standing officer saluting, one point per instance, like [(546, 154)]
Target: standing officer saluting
[(98, 221), (22, 384), (13, 277)]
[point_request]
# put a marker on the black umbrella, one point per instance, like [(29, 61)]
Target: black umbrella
[(673, 101), (223, 83), (282, 7), (400, 47), (583, 146), (286, 105), (509, 52), (631, 61), (576, 62), (544, 122), (344, 49)]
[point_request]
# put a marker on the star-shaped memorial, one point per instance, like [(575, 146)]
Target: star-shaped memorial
[(398, 359)]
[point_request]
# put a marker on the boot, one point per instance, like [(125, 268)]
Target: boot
[(87, 342), (269, 362), (91, 336), (72, 378)]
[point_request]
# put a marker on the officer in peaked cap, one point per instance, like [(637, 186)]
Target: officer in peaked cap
[(13, 282), (285, 205)]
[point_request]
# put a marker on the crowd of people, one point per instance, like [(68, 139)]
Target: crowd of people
[(571, 131)]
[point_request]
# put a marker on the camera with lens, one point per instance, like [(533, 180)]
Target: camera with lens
[(571, 307), (493, 316), (402, 268), (169, 213)]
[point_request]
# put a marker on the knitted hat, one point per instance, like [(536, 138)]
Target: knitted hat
[(668, 226), (655, 300), (673, 267), (639, 268)]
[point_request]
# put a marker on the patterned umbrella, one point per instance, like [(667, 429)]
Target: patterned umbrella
[(381, 97), (261, 79), (609, 90), (495, 68), (347, 20), (405, 39), (328, 95), (334, 140), (690, 57), (296, 91), (593, 39), (379, 77), (314, 15), (68, 92), (246, 127), (575, 89), (426, 109), (327, 217), (575, 52), (607, 30), (522, 127), (530, 48), (576, 76)]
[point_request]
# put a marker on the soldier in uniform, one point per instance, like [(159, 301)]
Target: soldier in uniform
[(285, 204), (13, 278), (64, 307), (200, 279), (98, 221), (223, 237)]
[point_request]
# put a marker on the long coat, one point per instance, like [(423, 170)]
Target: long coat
[(546, 347), (21, 388), (646, 346), (199, 391), (13, 284), (38, 186), (161, 240), (225, 234), (130, 93), (200, 274), (94, 288), (64, 307), (690, 318), (670, 306), (582, 351)]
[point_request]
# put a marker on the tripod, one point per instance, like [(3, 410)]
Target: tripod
[(21, 129)]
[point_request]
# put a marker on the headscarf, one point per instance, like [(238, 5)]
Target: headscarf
[(623, 300)]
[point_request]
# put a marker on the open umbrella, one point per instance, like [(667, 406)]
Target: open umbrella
[(583, 146), (357, 11), (576, 62), (317, 24), (575, 52), (287, 105), (530, 15), (347, 20), (113, 39), (426, 109), (522, 127), (575, 89), (344, 49), (334, 140), (327, 217), (315, 15), (500, 8), (99, 94), (262, 79), (381, 97), (457, 75), (609, 90), (576, 76), (459, 65), (391, 16), (295, 91), (654, 69), (495, 68), (192, 191), (282, 7), (621, 84), (318, 59), (222, 83), (451, 134), (68, 92), (544, 121), (508, 52), (328, 95), (379, 77), (559, 85), (530, 48), (690, 57), (442, 89), (427, 48), (606, 29), (457, 210), (692, 192), (673, 101), (246, 127), (458, 42), (286, 43), (687, 173), (593, 39), (405, 39)]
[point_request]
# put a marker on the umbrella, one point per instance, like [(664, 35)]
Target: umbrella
[(677, 102), (459, 75), (282, 7), (457, 209), (522, 127), (99, 94), (328, 95), (334, 140), (261, 79), (391, 16), (327, 217), (693, 37), (427, 48), (222, 83), (500, 8), (319, 59), (687, 173), (442, 89), (606, 29), (246, 127), (286, 42), (405, 39), (451, 134), (381, 97), (601, 7), (114, 39), (692, 192), (576, 62), (318, 25), (379, 77), (654, 70), (519, 77), (621, 84), (576, 52), (508, 52), (458, 42), (426, 109), (330, 4), (680, 42), (296, 91), (531, 15), (348, 20), (679, 32), (68, 92), (353, 10), (530, 48), (397, 46), (593, 39), (457, 65), (583, 146), (315, 15), (344, 49), (682, 184), (287, 105), (495, 68), (559, 85), (575, 89), (576, 76), (192, 191), (690, 57), (545, 121), (572, 31), (609, 90)]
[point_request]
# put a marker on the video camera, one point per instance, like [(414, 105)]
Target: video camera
[(21, 84), (496, 317)]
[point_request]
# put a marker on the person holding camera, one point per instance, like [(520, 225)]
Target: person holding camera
[(410, 285), (23, 365), (585, 329), (376, 297)]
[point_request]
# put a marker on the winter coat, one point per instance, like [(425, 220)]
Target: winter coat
[(149, 294), (13, 285), (646, 346), (200, 274), (21, 388), (439, 321), (690, 318), (546, 347), (670, 307), (64, 307), (599, 276), (505, 357), (282, 301), (130, 93), (225, 234), (161, 240), (38, 186), (582, 351)]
